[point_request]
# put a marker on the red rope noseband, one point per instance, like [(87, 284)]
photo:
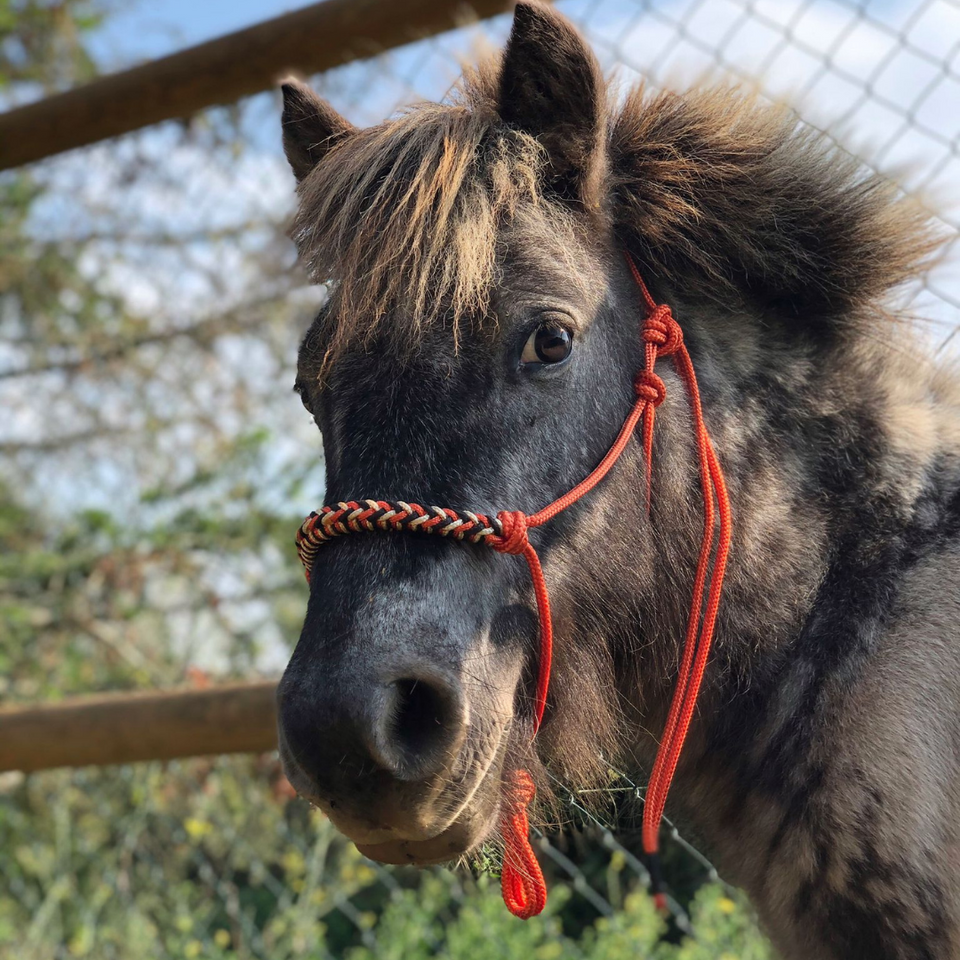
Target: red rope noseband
[(524, 891)]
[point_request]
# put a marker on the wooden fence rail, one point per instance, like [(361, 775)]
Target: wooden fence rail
[(125, 728), (306, 41)]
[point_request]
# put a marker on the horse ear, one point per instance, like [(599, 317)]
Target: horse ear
[(310, 127), (551, 87)]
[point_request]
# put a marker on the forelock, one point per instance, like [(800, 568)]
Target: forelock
[(402, 220)]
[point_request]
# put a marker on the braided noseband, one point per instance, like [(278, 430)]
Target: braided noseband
[(524, 891)]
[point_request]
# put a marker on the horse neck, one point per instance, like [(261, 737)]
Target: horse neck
[(841, 465)]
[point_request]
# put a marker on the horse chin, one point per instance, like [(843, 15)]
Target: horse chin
[(474, 823), (420, 845), (458, 840)]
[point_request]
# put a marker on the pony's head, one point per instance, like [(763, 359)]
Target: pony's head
[(473, 354), (478, 352)]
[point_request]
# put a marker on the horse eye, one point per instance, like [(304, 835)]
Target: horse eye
[(302, 394), (549, 343)]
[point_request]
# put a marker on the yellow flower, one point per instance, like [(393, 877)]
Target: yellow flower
[(196, 828), (82, 942), (726, 905), (293, 863), (222, 939), (192, 949)]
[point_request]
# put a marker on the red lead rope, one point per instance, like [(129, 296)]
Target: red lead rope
[(696, 648), (524, 891)]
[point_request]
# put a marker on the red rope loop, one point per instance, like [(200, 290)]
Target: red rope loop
[(650, 387), (521, 882), (514, 539)]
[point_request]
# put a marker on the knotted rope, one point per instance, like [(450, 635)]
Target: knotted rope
[(523, 887), (521, 881)]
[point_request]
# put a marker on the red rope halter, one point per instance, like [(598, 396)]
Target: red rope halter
[(524, 891)]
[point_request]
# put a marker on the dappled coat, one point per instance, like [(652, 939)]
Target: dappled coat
[(822, 767)]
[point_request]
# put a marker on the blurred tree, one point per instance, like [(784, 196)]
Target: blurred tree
[(140, 350), (41, 42)]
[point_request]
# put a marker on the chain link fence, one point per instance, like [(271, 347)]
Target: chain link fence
[(185, 223), (179, 232)]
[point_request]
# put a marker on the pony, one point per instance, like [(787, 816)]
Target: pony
[(478, 350)]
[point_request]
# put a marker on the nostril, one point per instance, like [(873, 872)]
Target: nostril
[(408, 724), (423, 725), (418, 717)]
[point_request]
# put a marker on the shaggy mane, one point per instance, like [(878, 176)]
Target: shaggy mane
[(732, 198), (407, 214)]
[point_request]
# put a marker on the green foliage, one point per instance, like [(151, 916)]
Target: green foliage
[(40, 42), (158, 861), (212, 859), (478, 928), (725, 930)]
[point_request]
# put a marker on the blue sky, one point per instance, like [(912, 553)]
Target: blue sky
[(141, 30)]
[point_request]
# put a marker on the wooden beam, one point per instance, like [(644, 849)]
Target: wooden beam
[(129, 727), (306, 41)]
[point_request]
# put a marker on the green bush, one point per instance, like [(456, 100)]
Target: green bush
[(212, 859)]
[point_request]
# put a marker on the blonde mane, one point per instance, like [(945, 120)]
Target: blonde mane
[(403, 218), (728, 196)]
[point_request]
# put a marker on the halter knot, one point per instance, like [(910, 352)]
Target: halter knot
[(650, 387), (514, 537), (520, 792), (661, 330)]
